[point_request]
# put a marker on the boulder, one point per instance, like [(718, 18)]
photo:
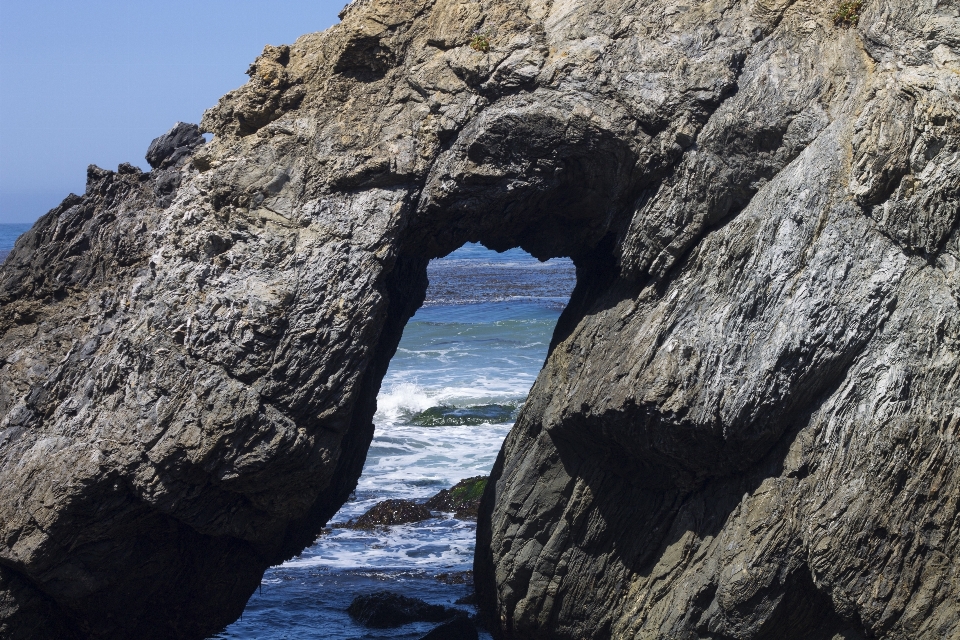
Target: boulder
[(463, 499), (384, 610), (174, 146), (389, 513)]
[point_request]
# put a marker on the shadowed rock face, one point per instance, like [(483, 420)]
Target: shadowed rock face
[(747, 425)]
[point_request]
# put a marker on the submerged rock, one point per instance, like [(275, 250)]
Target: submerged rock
[(389, 513), (455, 577), (463, 498), (444, 416), (383, 609), (746, 424)]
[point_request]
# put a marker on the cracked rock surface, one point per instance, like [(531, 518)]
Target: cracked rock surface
[(747, 424)]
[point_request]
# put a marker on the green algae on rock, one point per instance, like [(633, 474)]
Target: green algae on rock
[(446, 416), (463, 499)]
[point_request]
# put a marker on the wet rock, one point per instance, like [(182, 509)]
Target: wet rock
[(389, 513), (456, 629), (457, 577), (446, 416), (383, 609), (463, 498)]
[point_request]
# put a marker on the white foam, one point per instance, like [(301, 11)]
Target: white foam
[(402, 397), (438, 544), (415, 462), (410, 462)]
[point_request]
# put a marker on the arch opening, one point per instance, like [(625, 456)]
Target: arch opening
[(450, 394), (543, 184)]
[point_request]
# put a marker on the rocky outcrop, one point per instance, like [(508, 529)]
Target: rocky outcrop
[(462, 499), (746, 426), (385, 610), (389, 513)]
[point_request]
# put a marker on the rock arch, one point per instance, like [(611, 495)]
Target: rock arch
[(754, 365)]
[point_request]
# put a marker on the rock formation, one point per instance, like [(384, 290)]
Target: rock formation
[(389, 513), (385, 609), (747, 425), (462, 499)]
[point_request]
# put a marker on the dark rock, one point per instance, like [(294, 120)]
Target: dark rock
[(463, 498), (167, 183), (456, 577), (384, 609), (470, 599), (456, 629), (389, 513), (175, 145)]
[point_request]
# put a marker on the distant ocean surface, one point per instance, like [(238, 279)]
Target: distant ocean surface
[(468, 358), (8, 236)]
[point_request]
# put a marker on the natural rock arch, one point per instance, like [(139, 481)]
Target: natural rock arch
[(191, 355), (520, 175)]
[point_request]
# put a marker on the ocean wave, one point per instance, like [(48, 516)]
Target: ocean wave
[(436, 544), (404, 400)]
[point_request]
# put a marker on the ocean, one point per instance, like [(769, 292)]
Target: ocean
[(8, 236)]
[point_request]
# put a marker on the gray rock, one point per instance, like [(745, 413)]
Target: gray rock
[(746, 424), (174, 146)]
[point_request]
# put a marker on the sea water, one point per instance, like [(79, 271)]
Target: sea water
[(462, 371), (8, 236)]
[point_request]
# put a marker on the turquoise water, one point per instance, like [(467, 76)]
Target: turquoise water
[(463, 369), (8, 236)]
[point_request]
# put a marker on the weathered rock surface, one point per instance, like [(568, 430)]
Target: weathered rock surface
[(747, 425)]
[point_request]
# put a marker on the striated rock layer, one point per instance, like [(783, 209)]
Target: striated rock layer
[(746, 428)]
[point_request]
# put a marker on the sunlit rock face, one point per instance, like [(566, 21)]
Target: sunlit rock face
[(747, 425)]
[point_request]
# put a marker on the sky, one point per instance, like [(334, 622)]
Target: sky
[(94, 82)]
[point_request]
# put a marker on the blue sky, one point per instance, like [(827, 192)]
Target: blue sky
[(94, 82)]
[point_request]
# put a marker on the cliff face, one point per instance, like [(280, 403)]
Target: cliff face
[(747, 426)]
